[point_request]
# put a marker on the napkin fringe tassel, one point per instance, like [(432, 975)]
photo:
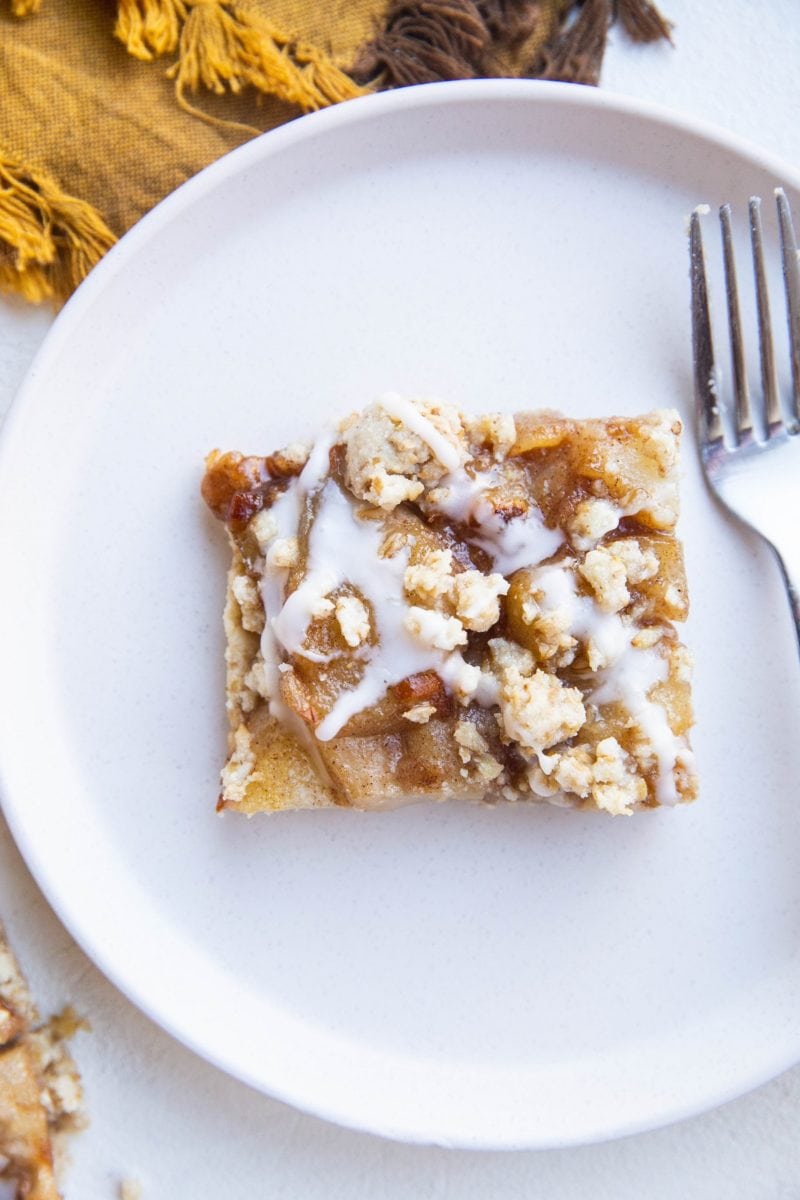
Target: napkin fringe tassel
[(25, 8), (577, 54), (49, 240), (642, 21), (426, 40), (227, 46), (423, 41)]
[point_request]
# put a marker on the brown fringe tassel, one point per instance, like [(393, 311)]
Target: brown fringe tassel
[(577, 56), (49, 240), (424, 41), (511, 23), (427, 40), (226, 46), (642, 21)]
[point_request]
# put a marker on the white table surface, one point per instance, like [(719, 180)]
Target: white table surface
[(182, 1128)]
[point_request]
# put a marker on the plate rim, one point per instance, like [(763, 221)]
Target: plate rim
[(273, 143)]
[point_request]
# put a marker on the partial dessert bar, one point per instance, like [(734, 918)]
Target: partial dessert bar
[(427, 605), (41, 1099)]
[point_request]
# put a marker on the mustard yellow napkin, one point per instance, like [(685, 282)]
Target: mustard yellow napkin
[(106, 107)]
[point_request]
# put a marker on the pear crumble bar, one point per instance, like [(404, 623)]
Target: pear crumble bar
[(427, 605), (41, 1098)]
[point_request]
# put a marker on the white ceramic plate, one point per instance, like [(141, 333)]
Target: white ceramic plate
[(477, 977)]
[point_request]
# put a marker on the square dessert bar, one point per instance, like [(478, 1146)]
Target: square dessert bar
[(427, 605)]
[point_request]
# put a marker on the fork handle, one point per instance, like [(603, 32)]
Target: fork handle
[(791, 578)]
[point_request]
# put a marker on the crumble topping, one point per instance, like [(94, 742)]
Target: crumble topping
[(15, 1000), (607, 577), (470, 741), (648, 637), (614, 787), (508, 656), (397, 448), (681, 663), (420, 714), (472, 596), (495, 430), (353, 618), (639, 564), (249, 601), (477, 599), (548, 620), (294, 457), (672, 596), (284, 552), (591, 521), (322, 607), (606, 775), (264, 528), (473, 749), (432, 578), (237, 772), (539, 710), (434, 629), (256, 680)]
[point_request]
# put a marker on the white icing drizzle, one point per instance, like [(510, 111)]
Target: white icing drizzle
[(403, 410), (630, 680), (520, 542), (343, 549), (585, 619), (631, 672), (286, 513)]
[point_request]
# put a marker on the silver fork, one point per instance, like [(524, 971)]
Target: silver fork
[(754, 467)]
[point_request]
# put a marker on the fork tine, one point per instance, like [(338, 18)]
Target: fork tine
[(791, 280), (705, 391), (769, 387), (744, 422)]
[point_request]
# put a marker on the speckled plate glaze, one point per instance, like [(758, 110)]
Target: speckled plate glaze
[(507, 977)]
